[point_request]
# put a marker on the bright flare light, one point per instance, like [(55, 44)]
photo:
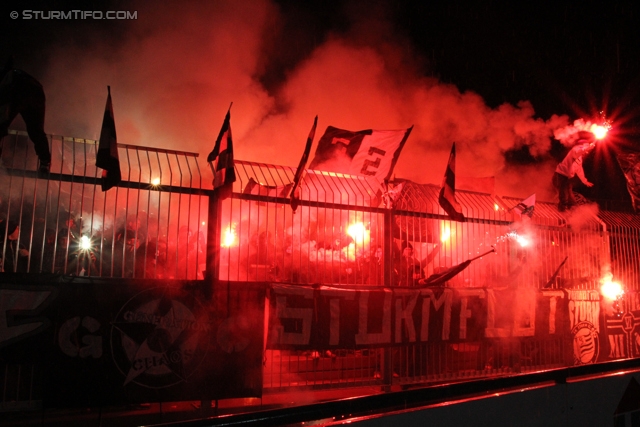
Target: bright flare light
[(229, 237), (445, 233), (599, 131), (155, 181), (357, 231), (611, 290), (85, 243), (522, 240)]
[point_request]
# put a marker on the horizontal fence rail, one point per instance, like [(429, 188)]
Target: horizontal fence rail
[(153, 225)]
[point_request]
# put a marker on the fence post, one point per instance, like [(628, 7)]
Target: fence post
[(388, 356), (214, 225)]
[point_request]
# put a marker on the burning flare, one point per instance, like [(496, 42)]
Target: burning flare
[(358, 232), (85, 243), (445, 233), (599, 131), (229, 237), (523, 241), (610, 289)]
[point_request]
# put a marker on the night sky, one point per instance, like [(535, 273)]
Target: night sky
[(575, 60)]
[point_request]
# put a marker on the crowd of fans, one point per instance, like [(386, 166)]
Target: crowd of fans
[(330, 259), (62, 243)]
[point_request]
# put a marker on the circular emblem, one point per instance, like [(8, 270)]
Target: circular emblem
[(159, 338), (586, 345)]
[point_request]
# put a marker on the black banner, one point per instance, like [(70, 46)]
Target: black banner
[(622, 320), (331, 317), (100, 342), (109, 342)]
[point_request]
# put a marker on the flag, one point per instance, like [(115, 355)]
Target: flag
[(438, 279), (254, 187), (224, 174), (302, 164), (447, 197), (630, 164), (366, 152), (526, 207), (552, 280), (107, 157), (391, 195)]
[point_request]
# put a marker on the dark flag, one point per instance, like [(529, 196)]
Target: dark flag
[(366, 152), (107, 157), (447, 197), (439, 279), (224, 174), (553, 278), (527, 206), (301, 165), (630, 165), (254, 187)]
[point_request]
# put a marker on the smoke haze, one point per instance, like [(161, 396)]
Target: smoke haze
[(175, 70)]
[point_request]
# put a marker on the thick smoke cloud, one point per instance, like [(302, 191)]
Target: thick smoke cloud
[(175, 70)]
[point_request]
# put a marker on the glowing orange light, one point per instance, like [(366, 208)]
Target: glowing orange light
[(611, 290), (599, 131), (445, 233), (357, 231), (522, 240), (155, 181), (203, 222), (496, 206), (229, 237)]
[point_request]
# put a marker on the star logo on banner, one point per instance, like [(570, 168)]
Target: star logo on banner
[(158, 341)]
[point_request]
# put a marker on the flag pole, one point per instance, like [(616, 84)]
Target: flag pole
[(301, 165), (107, 150), (481, 255), (555, 273), (209, 161)]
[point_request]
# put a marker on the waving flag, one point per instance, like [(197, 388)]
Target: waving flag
[(526, 207), (254, 187), (107, 156), (438, 279), (447, 197), (224, 174), (366, 152), (302, 164), (630, 165)]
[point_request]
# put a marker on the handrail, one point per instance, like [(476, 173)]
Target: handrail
[(414, 398)]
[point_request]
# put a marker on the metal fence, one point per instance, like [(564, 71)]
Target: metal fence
[(338, 235), (340, 230), (153, 225), (342, 233)]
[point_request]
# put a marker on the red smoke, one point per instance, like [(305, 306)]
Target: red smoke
[(178, 68)]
